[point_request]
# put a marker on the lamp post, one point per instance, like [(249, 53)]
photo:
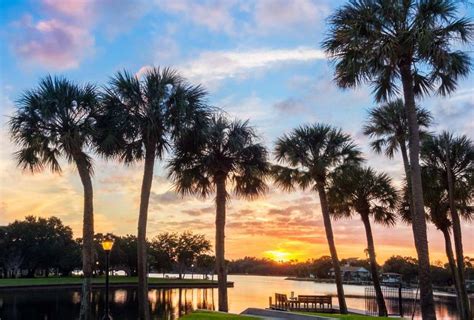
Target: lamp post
[(107, 246)]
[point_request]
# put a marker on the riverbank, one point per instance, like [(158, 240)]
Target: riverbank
[(439, 292), (115, 281), (356, 283)]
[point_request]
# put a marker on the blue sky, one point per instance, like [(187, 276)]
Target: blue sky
[(260, 60)]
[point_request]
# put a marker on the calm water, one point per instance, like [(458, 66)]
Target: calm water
[(248, 291)]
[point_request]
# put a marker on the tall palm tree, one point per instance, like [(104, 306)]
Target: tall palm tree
[(362, 191), (310, 153), (453, 158), (437, 203), (139, 120), (402, 46), (225, 153), (52, 121)]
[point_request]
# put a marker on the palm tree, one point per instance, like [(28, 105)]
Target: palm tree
[(140, 118), (387, 125), (437, 204), (402, 46), (453, 158), (362, 191), (222, 154), (52, 121), (311, 153)]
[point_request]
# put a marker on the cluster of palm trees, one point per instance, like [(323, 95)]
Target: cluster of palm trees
[(398, 47)]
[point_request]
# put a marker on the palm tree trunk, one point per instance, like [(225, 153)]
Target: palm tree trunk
[(454, 271), (221, 195), (143, 310), (373, 266), (332, 248), (87, 235), (419, 221), (406, 167), (457, 234)]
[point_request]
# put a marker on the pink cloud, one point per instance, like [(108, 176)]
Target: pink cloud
[(52, 43), (71, 8)]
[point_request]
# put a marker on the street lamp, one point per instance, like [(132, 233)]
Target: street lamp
[(107, 246)]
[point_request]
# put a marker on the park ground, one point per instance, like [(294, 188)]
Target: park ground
[(67, 281)]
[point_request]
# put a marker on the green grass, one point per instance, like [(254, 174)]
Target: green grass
[(343, 316), (198, 315), (101, 280)]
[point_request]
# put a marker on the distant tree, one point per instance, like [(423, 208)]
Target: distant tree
[(189, 247), (11, 257), (163, 250), (308, 155), (55, 120), (206, 264), (37, 244), (321, 267), (407, 267)]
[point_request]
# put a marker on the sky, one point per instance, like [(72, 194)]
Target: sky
[(259, 60)]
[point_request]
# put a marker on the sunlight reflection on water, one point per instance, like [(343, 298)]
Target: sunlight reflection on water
[(248, 291)]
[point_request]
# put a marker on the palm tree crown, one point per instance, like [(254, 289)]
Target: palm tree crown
[(310, 153), (54, 120), (363, 191), (223, 148), (371, 40), (147, 113), (388, 126), (459, 149)]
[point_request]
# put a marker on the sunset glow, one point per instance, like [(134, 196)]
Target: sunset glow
[(258, 62), (278, 256)]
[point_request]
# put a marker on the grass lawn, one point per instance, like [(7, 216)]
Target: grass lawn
[(101, 280), (198, 315), (343, 316)]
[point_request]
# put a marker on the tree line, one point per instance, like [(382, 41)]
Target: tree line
[(39, 246), (404, 50), (45, 247)]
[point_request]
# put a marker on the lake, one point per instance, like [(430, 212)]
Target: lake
[(248, 291)]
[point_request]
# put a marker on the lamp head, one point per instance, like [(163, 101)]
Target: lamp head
[(107, 244)]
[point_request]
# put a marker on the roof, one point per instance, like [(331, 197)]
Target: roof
[(352, 269)]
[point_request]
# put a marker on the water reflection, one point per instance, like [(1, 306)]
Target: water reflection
[(248, 291), (65, 303)]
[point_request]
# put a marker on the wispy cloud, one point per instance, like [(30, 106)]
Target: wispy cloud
[(263, 17), (214, 15)]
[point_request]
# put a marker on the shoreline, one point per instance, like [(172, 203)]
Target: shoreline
[(437, 293), (99, 282)]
